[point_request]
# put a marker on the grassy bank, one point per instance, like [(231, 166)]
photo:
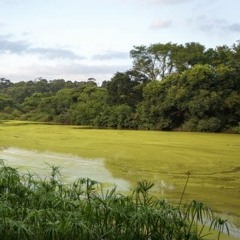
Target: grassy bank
[(161, 157)]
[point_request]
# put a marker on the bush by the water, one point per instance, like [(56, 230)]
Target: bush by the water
[(35, 208)]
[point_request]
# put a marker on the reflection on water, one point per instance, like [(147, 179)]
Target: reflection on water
[(72, 167)]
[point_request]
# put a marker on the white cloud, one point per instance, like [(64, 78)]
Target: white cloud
[(78, 69), (55, 53), (74, 72), (160, 24), (217, 25), (51, 38), (108, 55), (235, 27), (17, 47), (23, 47), (24, 68)]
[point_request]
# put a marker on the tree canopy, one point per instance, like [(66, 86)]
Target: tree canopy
[(169, 87)]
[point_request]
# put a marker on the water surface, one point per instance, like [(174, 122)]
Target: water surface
[(72, 167)]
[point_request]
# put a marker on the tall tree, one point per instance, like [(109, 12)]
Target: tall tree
[(125, 88), (154, 61), (160, 60)]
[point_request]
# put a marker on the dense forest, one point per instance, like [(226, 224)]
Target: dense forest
[(169, 87)]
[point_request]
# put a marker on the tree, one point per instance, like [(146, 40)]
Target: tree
[(120, 116), (194, 54), (125, 88), (90, 106), (5, 101), (160, 60), (41, 85), (154, 61), (5, 83)]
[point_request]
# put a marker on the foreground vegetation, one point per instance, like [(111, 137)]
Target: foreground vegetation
[(170, 86), (159, 157), (35, 208)]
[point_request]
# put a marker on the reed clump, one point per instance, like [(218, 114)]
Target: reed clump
[(46, 208)]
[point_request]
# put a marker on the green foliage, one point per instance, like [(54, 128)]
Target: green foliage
[(209, 125), (236, 129), (194, 100), (160, 60), (5, 101), (170, 87), (123, 89), (90, 106), (35, 208)]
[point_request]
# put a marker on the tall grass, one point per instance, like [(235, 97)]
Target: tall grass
[(35, 208)]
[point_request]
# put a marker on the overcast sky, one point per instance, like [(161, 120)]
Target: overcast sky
[(80, 39)]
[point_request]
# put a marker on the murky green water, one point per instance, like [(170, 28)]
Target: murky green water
[(72, 167)]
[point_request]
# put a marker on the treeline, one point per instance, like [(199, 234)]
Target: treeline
[(170, 87)]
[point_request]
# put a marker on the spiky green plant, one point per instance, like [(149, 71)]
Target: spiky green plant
[(36, 208)]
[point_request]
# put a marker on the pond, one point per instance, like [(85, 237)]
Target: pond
[(71, 167)]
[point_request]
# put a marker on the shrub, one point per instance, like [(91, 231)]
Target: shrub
[(190, 125), (209, 125), (236, 129)]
